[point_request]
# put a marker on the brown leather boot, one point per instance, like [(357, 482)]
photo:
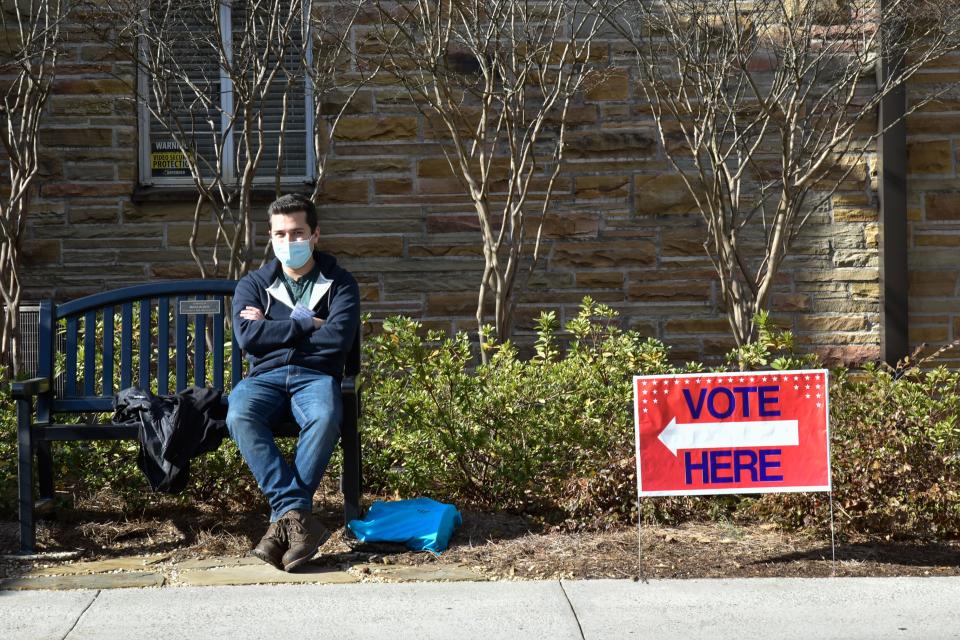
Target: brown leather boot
[(273, 544), (305, 534)]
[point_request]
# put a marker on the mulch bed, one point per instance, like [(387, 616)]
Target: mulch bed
[(500, 546)]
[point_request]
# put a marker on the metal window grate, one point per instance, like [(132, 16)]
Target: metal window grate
[(29, 341)]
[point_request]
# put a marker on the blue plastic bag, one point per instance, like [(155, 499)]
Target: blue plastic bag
[(421, 523)]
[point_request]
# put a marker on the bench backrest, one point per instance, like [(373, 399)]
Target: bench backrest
[(94, 346)]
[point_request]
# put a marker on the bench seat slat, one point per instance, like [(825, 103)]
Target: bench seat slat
[(92, 404), (62, 432)]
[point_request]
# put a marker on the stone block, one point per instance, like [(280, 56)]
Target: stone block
[(662, 194), (590, 187), (369, 292), (392, 187), (102, 214), (89, 171), (871, 235), (363, 246), (174, 271), (865, 291), (613, 143), (613, 84), (718, 346), (345, 191), (599, 279), (841, 274), (366, 128), (576, 115), (340, 166), (851, 356), (450, 250), (933, 283), (936, 239), (76, 137), (451, 304), (930, 156), (928, 334), (93, 86), (600, 253), (681, 291), (682, 242), (40, 252), (85, 189), (831, 323), (844, 258), (79, 106), (942, 206), (843, 214), (790, 302), (178, 235), (697, 325)]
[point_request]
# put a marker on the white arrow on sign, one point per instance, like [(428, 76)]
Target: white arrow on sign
[(729, 435)]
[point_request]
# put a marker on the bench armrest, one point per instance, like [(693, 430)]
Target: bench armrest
[(350, 385), (25, 389)]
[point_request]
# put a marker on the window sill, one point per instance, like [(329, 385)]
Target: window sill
[(146, 194)]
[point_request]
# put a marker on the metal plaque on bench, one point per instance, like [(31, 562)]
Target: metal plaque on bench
[(199, 307)]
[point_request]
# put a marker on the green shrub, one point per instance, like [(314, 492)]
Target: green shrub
[(895, 448), (552, 435)]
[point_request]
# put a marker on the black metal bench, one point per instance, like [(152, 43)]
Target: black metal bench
[(191, 312)]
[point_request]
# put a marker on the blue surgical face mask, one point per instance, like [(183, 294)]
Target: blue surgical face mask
[(292, 255)]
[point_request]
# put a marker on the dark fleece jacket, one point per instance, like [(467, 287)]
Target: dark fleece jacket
[(278, 340)]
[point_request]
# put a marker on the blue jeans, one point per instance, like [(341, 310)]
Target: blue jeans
[(267, 399)]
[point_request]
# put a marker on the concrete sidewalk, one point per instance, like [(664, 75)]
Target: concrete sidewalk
[(927, 608)]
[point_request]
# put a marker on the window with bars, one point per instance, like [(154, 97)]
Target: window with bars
[(204, 102)]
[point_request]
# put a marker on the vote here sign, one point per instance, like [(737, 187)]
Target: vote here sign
[(707, 433)]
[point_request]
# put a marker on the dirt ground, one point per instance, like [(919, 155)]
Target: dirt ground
[(497, 546)]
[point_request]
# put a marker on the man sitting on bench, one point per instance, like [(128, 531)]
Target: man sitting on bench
[(296, 319)]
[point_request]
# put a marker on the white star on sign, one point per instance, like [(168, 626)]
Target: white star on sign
[(795, 388), (655, 400), (819, 405), (808, 397), (645, 410)]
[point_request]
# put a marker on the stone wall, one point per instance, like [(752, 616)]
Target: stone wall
[(622, 228)]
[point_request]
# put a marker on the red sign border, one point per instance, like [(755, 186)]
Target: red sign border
[(734, 490)]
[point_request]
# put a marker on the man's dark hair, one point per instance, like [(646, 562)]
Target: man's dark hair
[(291, 203)]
